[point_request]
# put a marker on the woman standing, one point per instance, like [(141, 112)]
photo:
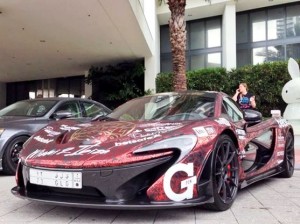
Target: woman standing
[(245, 99)]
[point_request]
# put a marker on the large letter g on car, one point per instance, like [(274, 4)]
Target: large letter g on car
[(188, 183)]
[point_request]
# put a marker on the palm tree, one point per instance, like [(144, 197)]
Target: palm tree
[(177, 28)]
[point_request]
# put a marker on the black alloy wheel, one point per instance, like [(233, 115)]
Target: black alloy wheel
[(11, 155), (289, 157), (225, 174)]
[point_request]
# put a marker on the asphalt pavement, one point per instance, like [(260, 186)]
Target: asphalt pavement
[(274, 200)]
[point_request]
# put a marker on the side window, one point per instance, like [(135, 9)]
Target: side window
[(93, 109), (72, 107), (230, 109)]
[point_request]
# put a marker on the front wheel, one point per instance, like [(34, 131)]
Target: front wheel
[(11, 155), (225, 174)]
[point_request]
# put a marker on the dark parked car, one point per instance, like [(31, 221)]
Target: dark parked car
[(158, 151), (21, 119)]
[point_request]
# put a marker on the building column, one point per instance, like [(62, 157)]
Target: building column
[(152, 62), (2, 95), (229, 36)]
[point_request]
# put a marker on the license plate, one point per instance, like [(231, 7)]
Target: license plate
[(55, 178)]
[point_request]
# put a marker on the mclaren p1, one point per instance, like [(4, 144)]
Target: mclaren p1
[(164, 150)]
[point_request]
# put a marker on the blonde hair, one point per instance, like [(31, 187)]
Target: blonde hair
[(245, 85)]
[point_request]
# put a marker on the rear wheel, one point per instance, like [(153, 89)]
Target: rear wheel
[(11, 155), (225, 174), (289, 157)]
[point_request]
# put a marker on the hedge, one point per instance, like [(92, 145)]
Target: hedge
[(265, 81)]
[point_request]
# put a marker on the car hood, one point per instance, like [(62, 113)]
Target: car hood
[(67, 144)]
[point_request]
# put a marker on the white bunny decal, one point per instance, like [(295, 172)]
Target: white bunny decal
[(291, 95)]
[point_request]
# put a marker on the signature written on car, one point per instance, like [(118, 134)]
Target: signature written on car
[(43, 140), (84, 150)]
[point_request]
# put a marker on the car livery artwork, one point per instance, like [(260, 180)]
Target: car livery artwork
[(159, 151)]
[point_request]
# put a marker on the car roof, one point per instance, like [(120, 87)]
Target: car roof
[(60, 99)]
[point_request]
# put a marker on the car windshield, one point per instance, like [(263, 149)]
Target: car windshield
[(168, 106), (30, 108)]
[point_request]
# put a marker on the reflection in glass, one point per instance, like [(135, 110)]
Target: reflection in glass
[(293, 21), (293, 51), (166, 64), (276, 24), (213, 33), (197, 61), (165, 45), (276, 53), (242, 28), (277, 31), (197, 35), (214, 60), (243, 57), (258, 21), (259, 55)]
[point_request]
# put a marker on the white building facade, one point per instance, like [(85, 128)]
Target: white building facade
[(233, 33), (220, 33)]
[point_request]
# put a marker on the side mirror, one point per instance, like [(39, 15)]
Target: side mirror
[(252, 116), (62, 114)]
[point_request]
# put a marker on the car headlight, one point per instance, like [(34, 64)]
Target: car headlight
[(184, 143), (1, 131)]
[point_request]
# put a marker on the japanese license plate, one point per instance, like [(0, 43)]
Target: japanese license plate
[(55, 178)]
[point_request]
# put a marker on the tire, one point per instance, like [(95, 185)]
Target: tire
[(225, 174), (11, 154), (289, 157)]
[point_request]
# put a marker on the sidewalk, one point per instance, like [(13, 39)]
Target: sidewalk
[(297, 158), (272, 201), (297, 152)]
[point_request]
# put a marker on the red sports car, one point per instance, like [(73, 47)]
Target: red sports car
[(159, 151)]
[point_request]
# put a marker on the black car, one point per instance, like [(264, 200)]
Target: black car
[(22, 119)]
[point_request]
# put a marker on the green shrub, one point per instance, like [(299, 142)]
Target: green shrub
[(115, 84), (265, 81)]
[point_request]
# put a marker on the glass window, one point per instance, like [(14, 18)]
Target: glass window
[(213, 29), (203, 47), (276, 53), (72, 107), (242, 29), (293, 21), (275, 34), (243, 57), (231, 109), (259, 55), (293, 51), (165, 45), (197, 35), (258, 24), (197, 61), (166, 64), (276, 24), (93, 110), (214, 60), (32, 108)]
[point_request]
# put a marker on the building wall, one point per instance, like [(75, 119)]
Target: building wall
[(257, 35)]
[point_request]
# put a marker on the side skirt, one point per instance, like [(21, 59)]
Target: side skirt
[(265, 175)]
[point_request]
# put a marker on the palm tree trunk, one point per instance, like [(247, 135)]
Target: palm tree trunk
[(177, 28)]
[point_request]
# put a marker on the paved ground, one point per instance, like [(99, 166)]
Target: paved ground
[(271, 201)]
